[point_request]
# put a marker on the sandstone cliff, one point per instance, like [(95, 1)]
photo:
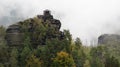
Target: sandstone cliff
[(38, 29)]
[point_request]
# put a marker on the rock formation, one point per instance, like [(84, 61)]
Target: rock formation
[(112, 44), (14, 35), (108, 38), (39, 29), (47, 16)]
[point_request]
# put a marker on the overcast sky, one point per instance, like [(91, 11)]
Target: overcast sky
[(86, 19)]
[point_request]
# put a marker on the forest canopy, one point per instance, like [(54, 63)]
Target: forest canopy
[(38, 42)]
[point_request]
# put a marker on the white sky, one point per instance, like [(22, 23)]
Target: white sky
[(86, 19)]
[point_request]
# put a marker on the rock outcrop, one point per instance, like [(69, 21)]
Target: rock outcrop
[(39, 29), (48, 17), (14, 35), (112, 44), (108, 38)]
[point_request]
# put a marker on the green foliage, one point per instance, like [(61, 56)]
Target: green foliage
[(3, 48), (14, 58), (78, 43), (87, 63), (25, 52), (113, 48), (44, 54), (112, 44), (49, 51), (67, 41), (1, 65), (43, 47), (78, 53), (33, 61), (2, 31), (2, 36), (112, 62), (68, 36), (97, 56), (27, 43), (69, 53), (63, 59), (3, 53)]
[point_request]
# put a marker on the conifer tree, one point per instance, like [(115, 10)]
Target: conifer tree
[(14, 58), (25, 52)]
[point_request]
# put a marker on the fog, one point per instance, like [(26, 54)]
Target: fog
[(86, 19)]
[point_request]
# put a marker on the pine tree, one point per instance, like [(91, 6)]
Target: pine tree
[(14, 58), (98, 56), (25, 52), (78, 53)]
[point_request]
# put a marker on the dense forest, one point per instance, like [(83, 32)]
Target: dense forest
[(38, 42)]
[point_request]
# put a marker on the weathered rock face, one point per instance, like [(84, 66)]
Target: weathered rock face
[(109, 38), (14, 35), (39, 29), (48, 17)]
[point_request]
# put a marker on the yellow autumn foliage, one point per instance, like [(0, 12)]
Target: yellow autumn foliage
[(63, 59), (33, 61)]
